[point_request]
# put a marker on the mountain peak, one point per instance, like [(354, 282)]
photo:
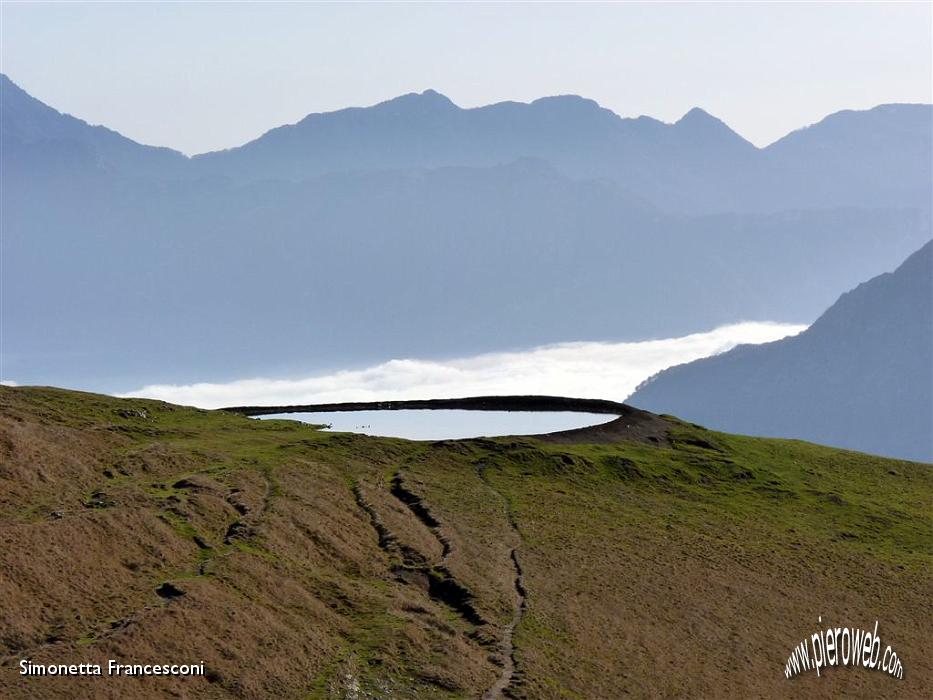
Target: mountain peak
[(433, 94), (698, 117), (698, 123), (428, 100), (569, 103)]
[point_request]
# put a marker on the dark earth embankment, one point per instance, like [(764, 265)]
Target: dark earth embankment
[(471, 403)]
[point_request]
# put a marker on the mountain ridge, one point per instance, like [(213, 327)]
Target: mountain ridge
[(432, 96), (696, 164)]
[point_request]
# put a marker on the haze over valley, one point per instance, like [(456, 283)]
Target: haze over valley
[(417, 229)]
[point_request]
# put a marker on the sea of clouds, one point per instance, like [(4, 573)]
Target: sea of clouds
[(580, 369)]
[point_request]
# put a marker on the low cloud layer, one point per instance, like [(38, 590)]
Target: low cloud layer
[(591, 370)]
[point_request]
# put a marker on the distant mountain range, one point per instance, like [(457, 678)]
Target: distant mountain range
[(416, 228), (860, 377), (875, 158)]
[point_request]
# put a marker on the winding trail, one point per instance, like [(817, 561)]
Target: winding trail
[(510, 676), (630, 424), (506, 646)]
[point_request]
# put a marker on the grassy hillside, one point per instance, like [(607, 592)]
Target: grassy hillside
[(302, 564)]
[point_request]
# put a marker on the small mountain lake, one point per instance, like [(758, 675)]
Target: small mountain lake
[(448, 424)]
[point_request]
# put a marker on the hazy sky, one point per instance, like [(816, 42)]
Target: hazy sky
[(202, 76)]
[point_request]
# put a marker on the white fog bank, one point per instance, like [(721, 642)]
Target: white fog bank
[(581, 369)]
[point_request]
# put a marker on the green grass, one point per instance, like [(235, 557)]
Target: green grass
[(785, 486)]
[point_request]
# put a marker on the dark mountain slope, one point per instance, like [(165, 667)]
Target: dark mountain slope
[(860, 377)]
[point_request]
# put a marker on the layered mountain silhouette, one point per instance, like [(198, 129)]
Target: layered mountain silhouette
[(417, 228), (860, 377), (696, 165)]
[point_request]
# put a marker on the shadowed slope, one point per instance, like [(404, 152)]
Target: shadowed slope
[(860, 377)]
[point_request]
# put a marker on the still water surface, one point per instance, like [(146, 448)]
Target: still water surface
[(449, 424)]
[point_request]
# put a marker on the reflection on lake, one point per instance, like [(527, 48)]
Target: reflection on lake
[(448, 424)]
